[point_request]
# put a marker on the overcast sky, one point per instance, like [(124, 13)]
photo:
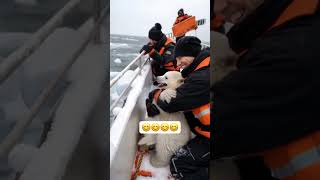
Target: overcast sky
[(136, 17)]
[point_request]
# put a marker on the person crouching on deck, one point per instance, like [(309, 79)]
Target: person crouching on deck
[(193, 98), (160, 49)]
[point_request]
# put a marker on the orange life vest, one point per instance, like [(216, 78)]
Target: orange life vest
[(203, 112), (168, 66), (300, 159), (181, 28), (181, 18)]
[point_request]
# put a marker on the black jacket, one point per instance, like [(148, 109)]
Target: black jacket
[(272, 98), (193, 93), (167, 56)]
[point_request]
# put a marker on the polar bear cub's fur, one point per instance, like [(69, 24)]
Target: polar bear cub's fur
[(167, 144)]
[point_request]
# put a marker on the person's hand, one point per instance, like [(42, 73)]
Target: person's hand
[(146, 48), (152, 94), (152, 110)]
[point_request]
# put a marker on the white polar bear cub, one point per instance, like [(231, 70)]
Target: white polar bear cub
[(167, 144)]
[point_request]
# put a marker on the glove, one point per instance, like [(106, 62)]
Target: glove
[(147, 48), (152, 110), (151, 94)]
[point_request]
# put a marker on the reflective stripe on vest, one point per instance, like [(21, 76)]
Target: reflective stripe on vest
[(168, 66), (298, 163), (298, 160), (203, 112)]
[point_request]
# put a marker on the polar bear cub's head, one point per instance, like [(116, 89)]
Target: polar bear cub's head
[(170, 80)]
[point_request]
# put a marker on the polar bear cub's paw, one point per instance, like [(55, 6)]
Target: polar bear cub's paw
[(148, 140), (167, 94)]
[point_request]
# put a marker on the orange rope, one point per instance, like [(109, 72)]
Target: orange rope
[(137, 163)]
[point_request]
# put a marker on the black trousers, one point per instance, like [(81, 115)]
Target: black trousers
[(191, 162), (253, 168)]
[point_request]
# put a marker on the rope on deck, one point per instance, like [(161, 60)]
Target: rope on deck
[(136, 171)]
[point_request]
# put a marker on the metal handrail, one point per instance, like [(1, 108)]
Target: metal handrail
[(206, 45), (12, 62), (129, 86), (115, 79), (17, 132)]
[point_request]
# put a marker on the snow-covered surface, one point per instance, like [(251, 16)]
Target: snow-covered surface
[(157, 173), (116, 111), (118, 127), (124, 81), (113, 74), (87, 76), (120, 86), (21, 155)]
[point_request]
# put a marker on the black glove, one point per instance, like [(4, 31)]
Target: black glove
[(151, 94), (147, 48), (152, 110)]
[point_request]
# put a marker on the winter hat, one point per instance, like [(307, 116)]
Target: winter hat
[(180, 12), (187, 46), (155, 32)]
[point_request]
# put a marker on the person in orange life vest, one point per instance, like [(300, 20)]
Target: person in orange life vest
[(268, 106), (160, 49), (193, 98), (181, 17)]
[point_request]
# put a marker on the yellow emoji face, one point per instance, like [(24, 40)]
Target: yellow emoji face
[(155, 127), (146, 126), (174, 127), (164, 126)]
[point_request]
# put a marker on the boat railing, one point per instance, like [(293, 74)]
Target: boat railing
[(205, 45), (141, 61), (13, 61), (138, 59)]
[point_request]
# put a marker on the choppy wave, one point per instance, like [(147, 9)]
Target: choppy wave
[(127, 55), (118, 45), (130, 39)]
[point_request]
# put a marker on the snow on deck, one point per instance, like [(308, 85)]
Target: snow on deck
[(118, 127), (157, 173)]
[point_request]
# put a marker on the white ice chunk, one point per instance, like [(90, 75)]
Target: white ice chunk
[(118, 61)]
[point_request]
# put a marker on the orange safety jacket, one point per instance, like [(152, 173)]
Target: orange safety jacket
[(202, 113), (300, 159), (170, 66), (181, 18)]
